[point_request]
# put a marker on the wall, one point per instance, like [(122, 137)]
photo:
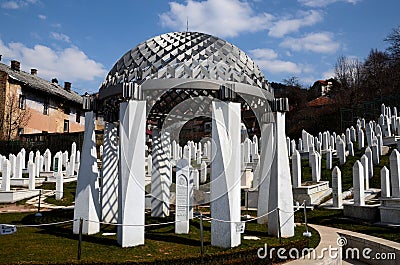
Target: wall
[(54, 120), (37, 122)]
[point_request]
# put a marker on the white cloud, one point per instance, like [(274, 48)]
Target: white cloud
[(289, 25), (323, 3), (266, 54), (10, 5), (226, 18), (70, 64), (60, 37), (17, 4), (42, 17), (328, 74), (268, 60), (322, 42)]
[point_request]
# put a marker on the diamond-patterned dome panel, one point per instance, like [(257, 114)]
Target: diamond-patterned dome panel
[(185, 55)]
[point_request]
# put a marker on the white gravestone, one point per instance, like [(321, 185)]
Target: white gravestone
[(368, 153), (32, 175), (6, 174), (296, 169), (337, 188), (59, 186), (358, 184), (385, 182), (395, 173), (340, 149), (182, 197), (360, 139), (329, 159), (364, 162), (203, 172), (18, 166)]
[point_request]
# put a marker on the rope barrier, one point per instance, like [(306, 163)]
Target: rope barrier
[(38, 225), (165, 223), (146, 225)]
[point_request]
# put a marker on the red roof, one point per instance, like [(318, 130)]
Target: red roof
[(321, 101)]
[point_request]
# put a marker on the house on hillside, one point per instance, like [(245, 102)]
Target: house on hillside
[(322, 87), (30, 104)]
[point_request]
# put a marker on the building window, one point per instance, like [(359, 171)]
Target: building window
[(67, 110), (20, 131), (66, 125), (78, 117), (22, 101), (46, 107)]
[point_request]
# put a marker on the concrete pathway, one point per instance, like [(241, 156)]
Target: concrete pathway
[(329, 239)]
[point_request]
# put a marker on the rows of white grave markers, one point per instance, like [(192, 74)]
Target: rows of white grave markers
[(199, 153), (36, 163), (369, 136)]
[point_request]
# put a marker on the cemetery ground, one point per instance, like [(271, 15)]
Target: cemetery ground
[(56, 243)]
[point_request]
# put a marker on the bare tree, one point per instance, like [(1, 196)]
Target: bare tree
[(14, 117), (394, 41), (348, 72)]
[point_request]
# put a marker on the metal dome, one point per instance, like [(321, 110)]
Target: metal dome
[(182, 55)]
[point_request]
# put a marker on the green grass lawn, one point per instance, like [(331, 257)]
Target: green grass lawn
[(57, 244), (68, 197)]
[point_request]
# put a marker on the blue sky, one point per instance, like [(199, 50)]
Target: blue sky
[(79, 41)]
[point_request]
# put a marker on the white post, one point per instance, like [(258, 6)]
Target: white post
[(131, 173), (109, 189), (280, 194), (160, 174), (87, 194), (225, 174)]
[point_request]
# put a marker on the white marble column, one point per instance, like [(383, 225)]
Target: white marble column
[(132, 173), (266, 158), (161, 174), (225, 174), (280, 194), (109, 189), (87, 190)]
